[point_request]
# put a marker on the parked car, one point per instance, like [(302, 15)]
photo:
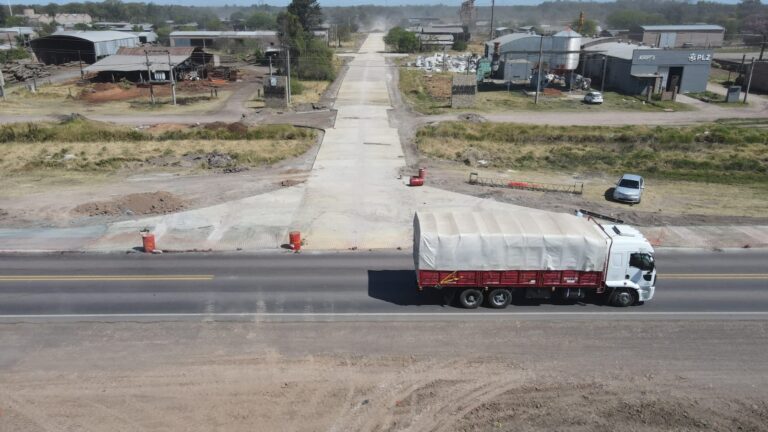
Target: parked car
[(629, 188), (593, 98)]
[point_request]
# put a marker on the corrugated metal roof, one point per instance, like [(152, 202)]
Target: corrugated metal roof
[(139, 51), (509, 38), (131, 63), (616, 49), (682, 27), (441, 30), (97, 36), (567, 33), (223, 34)]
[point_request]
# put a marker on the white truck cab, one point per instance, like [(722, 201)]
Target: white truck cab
[(630, 270)]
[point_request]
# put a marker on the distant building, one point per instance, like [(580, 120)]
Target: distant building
[(88, 46), (10, 35), (265, 38), (66, 20), (434, 42), (454, 30), (680, 36), (122, 26)]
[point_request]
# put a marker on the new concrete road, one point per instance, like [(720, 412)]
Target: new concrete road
[(360, 285)]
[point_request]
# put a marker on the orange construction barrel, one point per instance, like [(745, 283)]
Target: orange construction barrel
[(422, 173), (416, 181), (148, 242), (294, 238)]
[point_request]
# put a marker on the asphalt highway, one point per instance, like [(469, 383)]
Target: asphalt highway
[(334, 286)]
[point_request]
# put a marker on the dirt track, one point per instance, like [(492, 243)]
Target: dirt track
[(423, 376)]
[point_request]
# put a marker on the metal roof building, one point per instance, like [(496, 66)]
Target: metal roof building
[(680, 36), (131, 63), (86, 46), (202, 38), (635, 69)]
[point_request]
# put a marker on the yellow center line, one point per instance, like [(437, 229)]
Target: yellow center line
[(104, 278)]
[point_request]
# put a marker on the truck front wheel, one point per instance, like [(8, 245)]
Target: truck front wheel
[(623, 297), (499, 298), (470, 298)]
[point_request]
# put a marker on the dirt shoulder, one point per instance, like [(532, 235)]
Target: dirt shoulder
[(477, 376)]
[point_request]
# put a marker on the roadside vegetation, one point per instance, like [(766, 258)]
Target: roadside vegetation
[(430, 93), (726, 152), (85, 146)]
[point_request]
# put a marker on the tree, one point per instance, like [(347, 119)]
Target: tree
[(589, 27), (459, 45), (213, 23), (307, 11), (261, 21), (81, 26), (628, 19), (401, 40)]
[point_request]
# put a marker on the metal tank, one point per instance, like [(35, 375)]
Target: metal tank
[(565, 51)]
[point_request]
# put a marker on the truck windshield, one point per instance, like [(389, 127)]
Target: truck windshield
[(631, 184), (643, 261)]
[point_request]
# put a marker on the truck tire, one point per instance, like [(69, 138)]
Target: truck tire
[(622, 297), (470, 298), (499, 298)]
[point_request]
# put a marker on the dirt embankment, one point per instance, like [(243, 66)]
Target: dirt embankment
[(147, 203)]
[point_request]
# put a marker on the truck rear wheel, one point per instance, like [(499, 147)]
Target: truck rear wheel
[(499, 298), (470, 298), (622, 297)]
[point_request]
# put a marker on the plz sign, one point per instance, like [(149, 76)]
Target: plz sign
[(699, 57)]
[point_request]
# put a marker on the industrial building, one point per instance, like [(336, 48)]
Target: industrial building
[(635, 69), (265, 38), (515, 57), (88, 47), (139, 64), (679, 36)]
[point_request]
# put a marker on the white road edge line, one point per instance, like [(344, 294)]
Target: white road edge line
[(374, 314)]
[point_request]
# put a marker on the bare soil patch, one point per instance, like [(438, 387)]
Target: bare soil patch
[(664, 202), (146, 203), (385, 376)]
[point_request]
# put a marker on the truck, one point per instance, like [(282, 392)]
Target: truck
[(489, 256)]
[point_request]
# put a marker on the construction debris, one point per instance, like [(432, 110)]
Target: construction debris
[(439, 62), (576, 188)]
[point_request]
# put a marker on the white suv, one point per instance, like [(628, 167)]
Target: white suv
[(593, 98)]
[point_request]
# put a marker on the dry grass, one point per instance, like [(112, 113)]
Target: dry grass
[(311, 92), (93, 147), (714, 153), (62, 98)]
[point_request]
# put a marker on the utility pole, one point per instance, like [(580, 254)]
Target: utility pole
[(602, 78), (10, 10), (444, 47), (173, 78), (749, 81), (2, 85), (493, 5), (288, 76), (538, 71), (149, 79), (80, 59)]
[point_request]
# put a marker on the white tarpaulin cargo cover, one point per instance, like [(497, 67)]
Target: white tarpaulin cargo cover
[(507, 240)]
